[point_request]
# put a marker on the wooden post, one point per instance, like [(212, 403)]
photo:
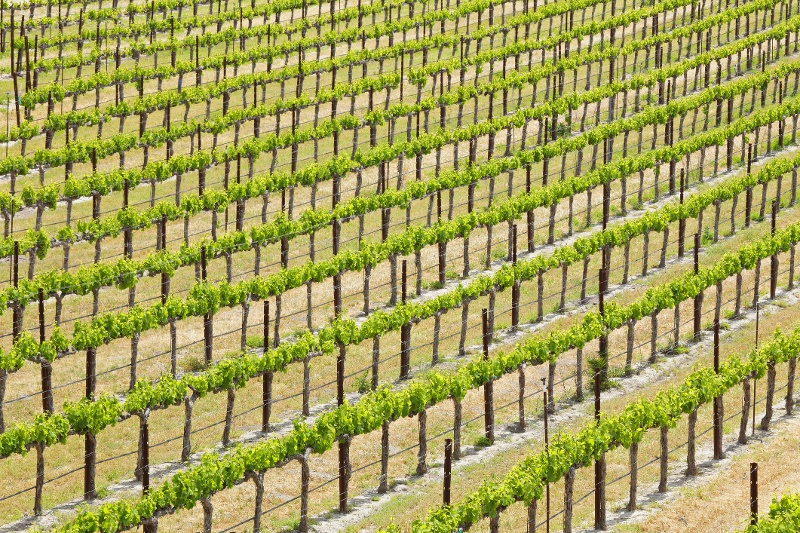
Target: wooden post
[(336, 230), (682, 221), (515, 287), (773, 260), (37, 502), (488, 388), (422, 455), (198, 71), (753, 493), (208, 333), (603, 355), (266, 385), (344, 472), (340, 361), (789, 400), (599, 467), (127, 231), (90, 461), (748, 203), (718, 407), (745, 410), (47, 369), (405, 329), (521, 397), (14, 72), (91, 371), (755, 381), (16, 326), (442, 246), (383, 484), (691, 463), (663, 458), (547, 452), (201, 180), (164, 276), (698, 299), (448, 467), (143, 114), (28, 84), (529, 215), (633, 454), (769, 399), (145, 429), (569, 484)]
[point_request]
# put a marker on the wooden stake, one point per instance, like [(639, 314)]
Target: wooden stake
[(448, 466), (14, 71), (208, 334), (47, 369), (266, 389), (718, 413), (599, 467), (773, 260), (405, 329), (698, 299), (682, 221), (488, 387), (753, 493)]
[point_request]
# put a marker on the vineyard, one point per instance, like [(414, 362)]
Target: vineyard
[(399, 265)]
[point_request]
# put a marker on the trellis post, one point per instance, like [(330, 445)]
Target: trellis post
[(718, 406), (488, 387)]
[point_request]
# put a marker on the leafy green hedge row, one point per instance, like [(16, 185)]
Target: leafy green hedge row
[(783, 517), (216, 472), (525, 482)]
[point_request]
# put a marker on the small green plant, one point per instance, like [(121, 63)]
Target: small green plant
[(722, 325), (616, 372), (193, 364), (481, 442), (563, 130), (291, 524), (451, 274), (432, 285), (255, 341), (664, 348), (708, 237), (363, 384)]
